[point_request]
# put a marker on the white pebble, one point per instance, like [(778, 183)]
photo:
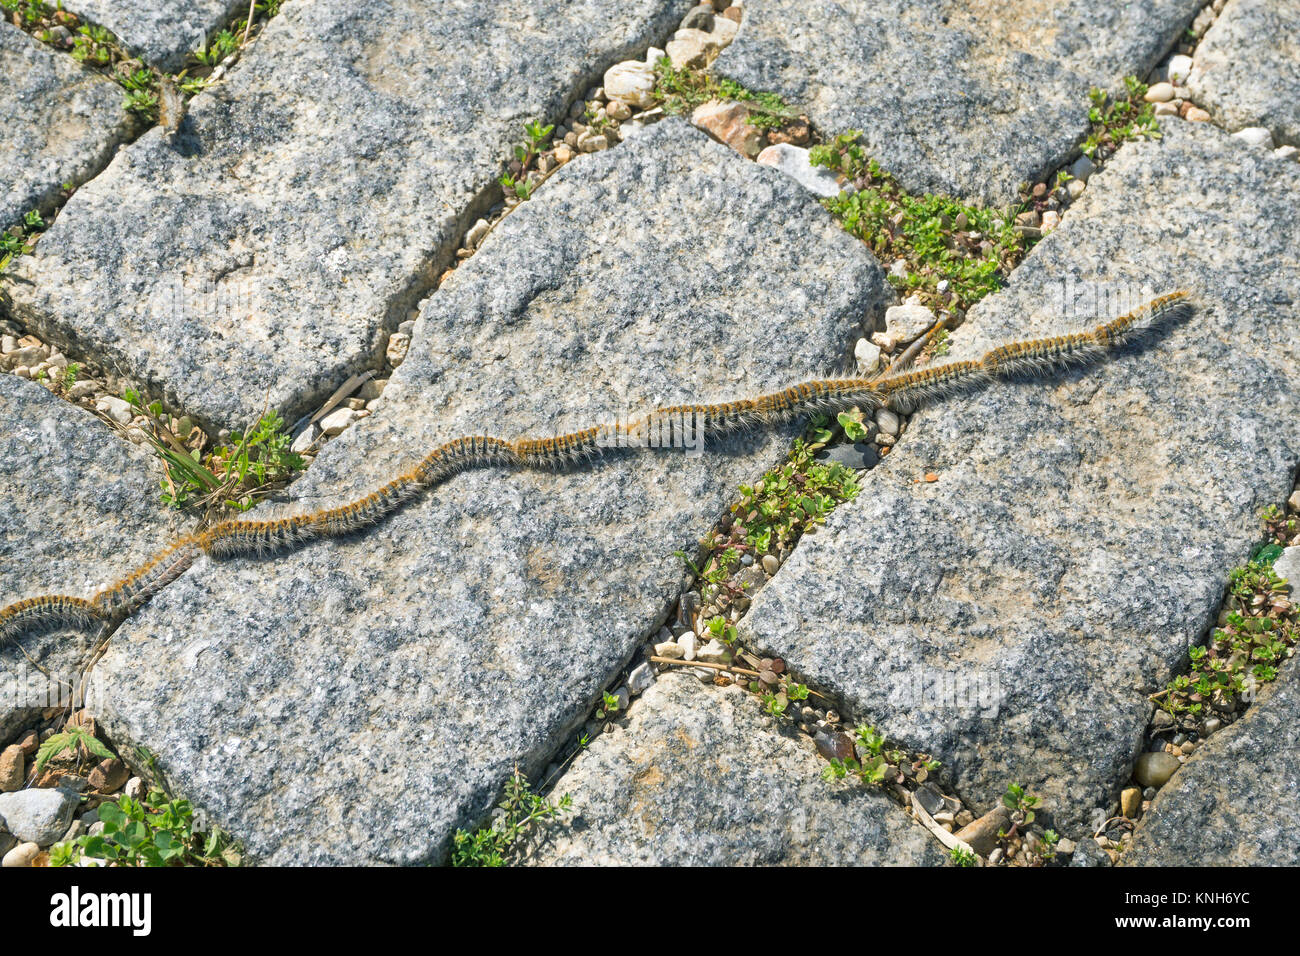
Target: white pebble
[(1255, 136), (1179, 66), (305, 439), (336, 421), (888, 421), (714, 652), (116, 409), (21, 855), (476, 233), (640, 679), (793, 161), (669, 649), (867, 354), (688, 643), (632, 82)]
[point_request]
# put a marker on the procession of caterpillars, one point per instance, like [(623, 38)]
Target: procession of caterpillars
[(900, 392)]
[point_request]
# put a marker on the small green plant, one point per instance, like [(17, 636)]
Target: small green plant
[(872, 759), (495, 843), (774, 512), (156, 832), (93, 45), (75, 739), (218, 48), (19, 240), (1045, 848), (722, 630), (536, 139), (680, 91), (940, 342), (1117, 119), (1260, 629), (1021, 803), (962, 856), (955, 254), (235, 476), (1281, 530), (609, 706), (144, 102), (854, 430)]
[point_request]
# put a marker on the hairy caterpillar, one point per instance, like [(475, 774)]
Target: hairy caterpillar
[(241, 537)]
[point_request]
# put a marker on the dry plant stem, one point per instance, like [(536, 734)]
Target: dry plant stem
[(914, 349)]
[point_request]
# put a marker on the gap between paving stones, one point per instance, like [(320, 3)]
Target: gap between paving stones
[(1190, 719)]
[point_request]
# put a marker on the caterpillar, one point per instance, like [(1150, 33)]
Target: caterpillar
[(234, 538)]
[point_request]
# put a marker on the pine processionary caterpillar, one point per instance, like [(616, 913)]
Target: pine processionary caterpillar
[(240, 537)]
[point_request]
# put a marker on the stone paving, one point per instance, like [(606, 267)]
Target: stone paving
[(265, 251), (1235, 801), (160, 32), (60, 124), (1013, 616), (457, 623), (953, 97), (1252, 51), (696, 777), (97, 517), (1017, 576)]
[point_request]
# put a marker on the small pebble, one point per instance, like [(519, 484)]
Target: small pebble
[(1256, 136), (337, 421), (867, 354), (669, 649), (888, 421), (1159, 93), (1155, 769), (21, 855), (640, 679), (1179, 68)]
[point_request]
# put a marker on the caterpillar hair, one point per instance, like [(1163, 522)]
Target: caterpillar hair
[(902, 391), (148, 579), (909, 389), (47, 613)]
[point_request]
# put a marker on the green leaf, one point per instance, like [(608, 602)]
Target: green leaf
[(111, 814), (1268, 554)]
